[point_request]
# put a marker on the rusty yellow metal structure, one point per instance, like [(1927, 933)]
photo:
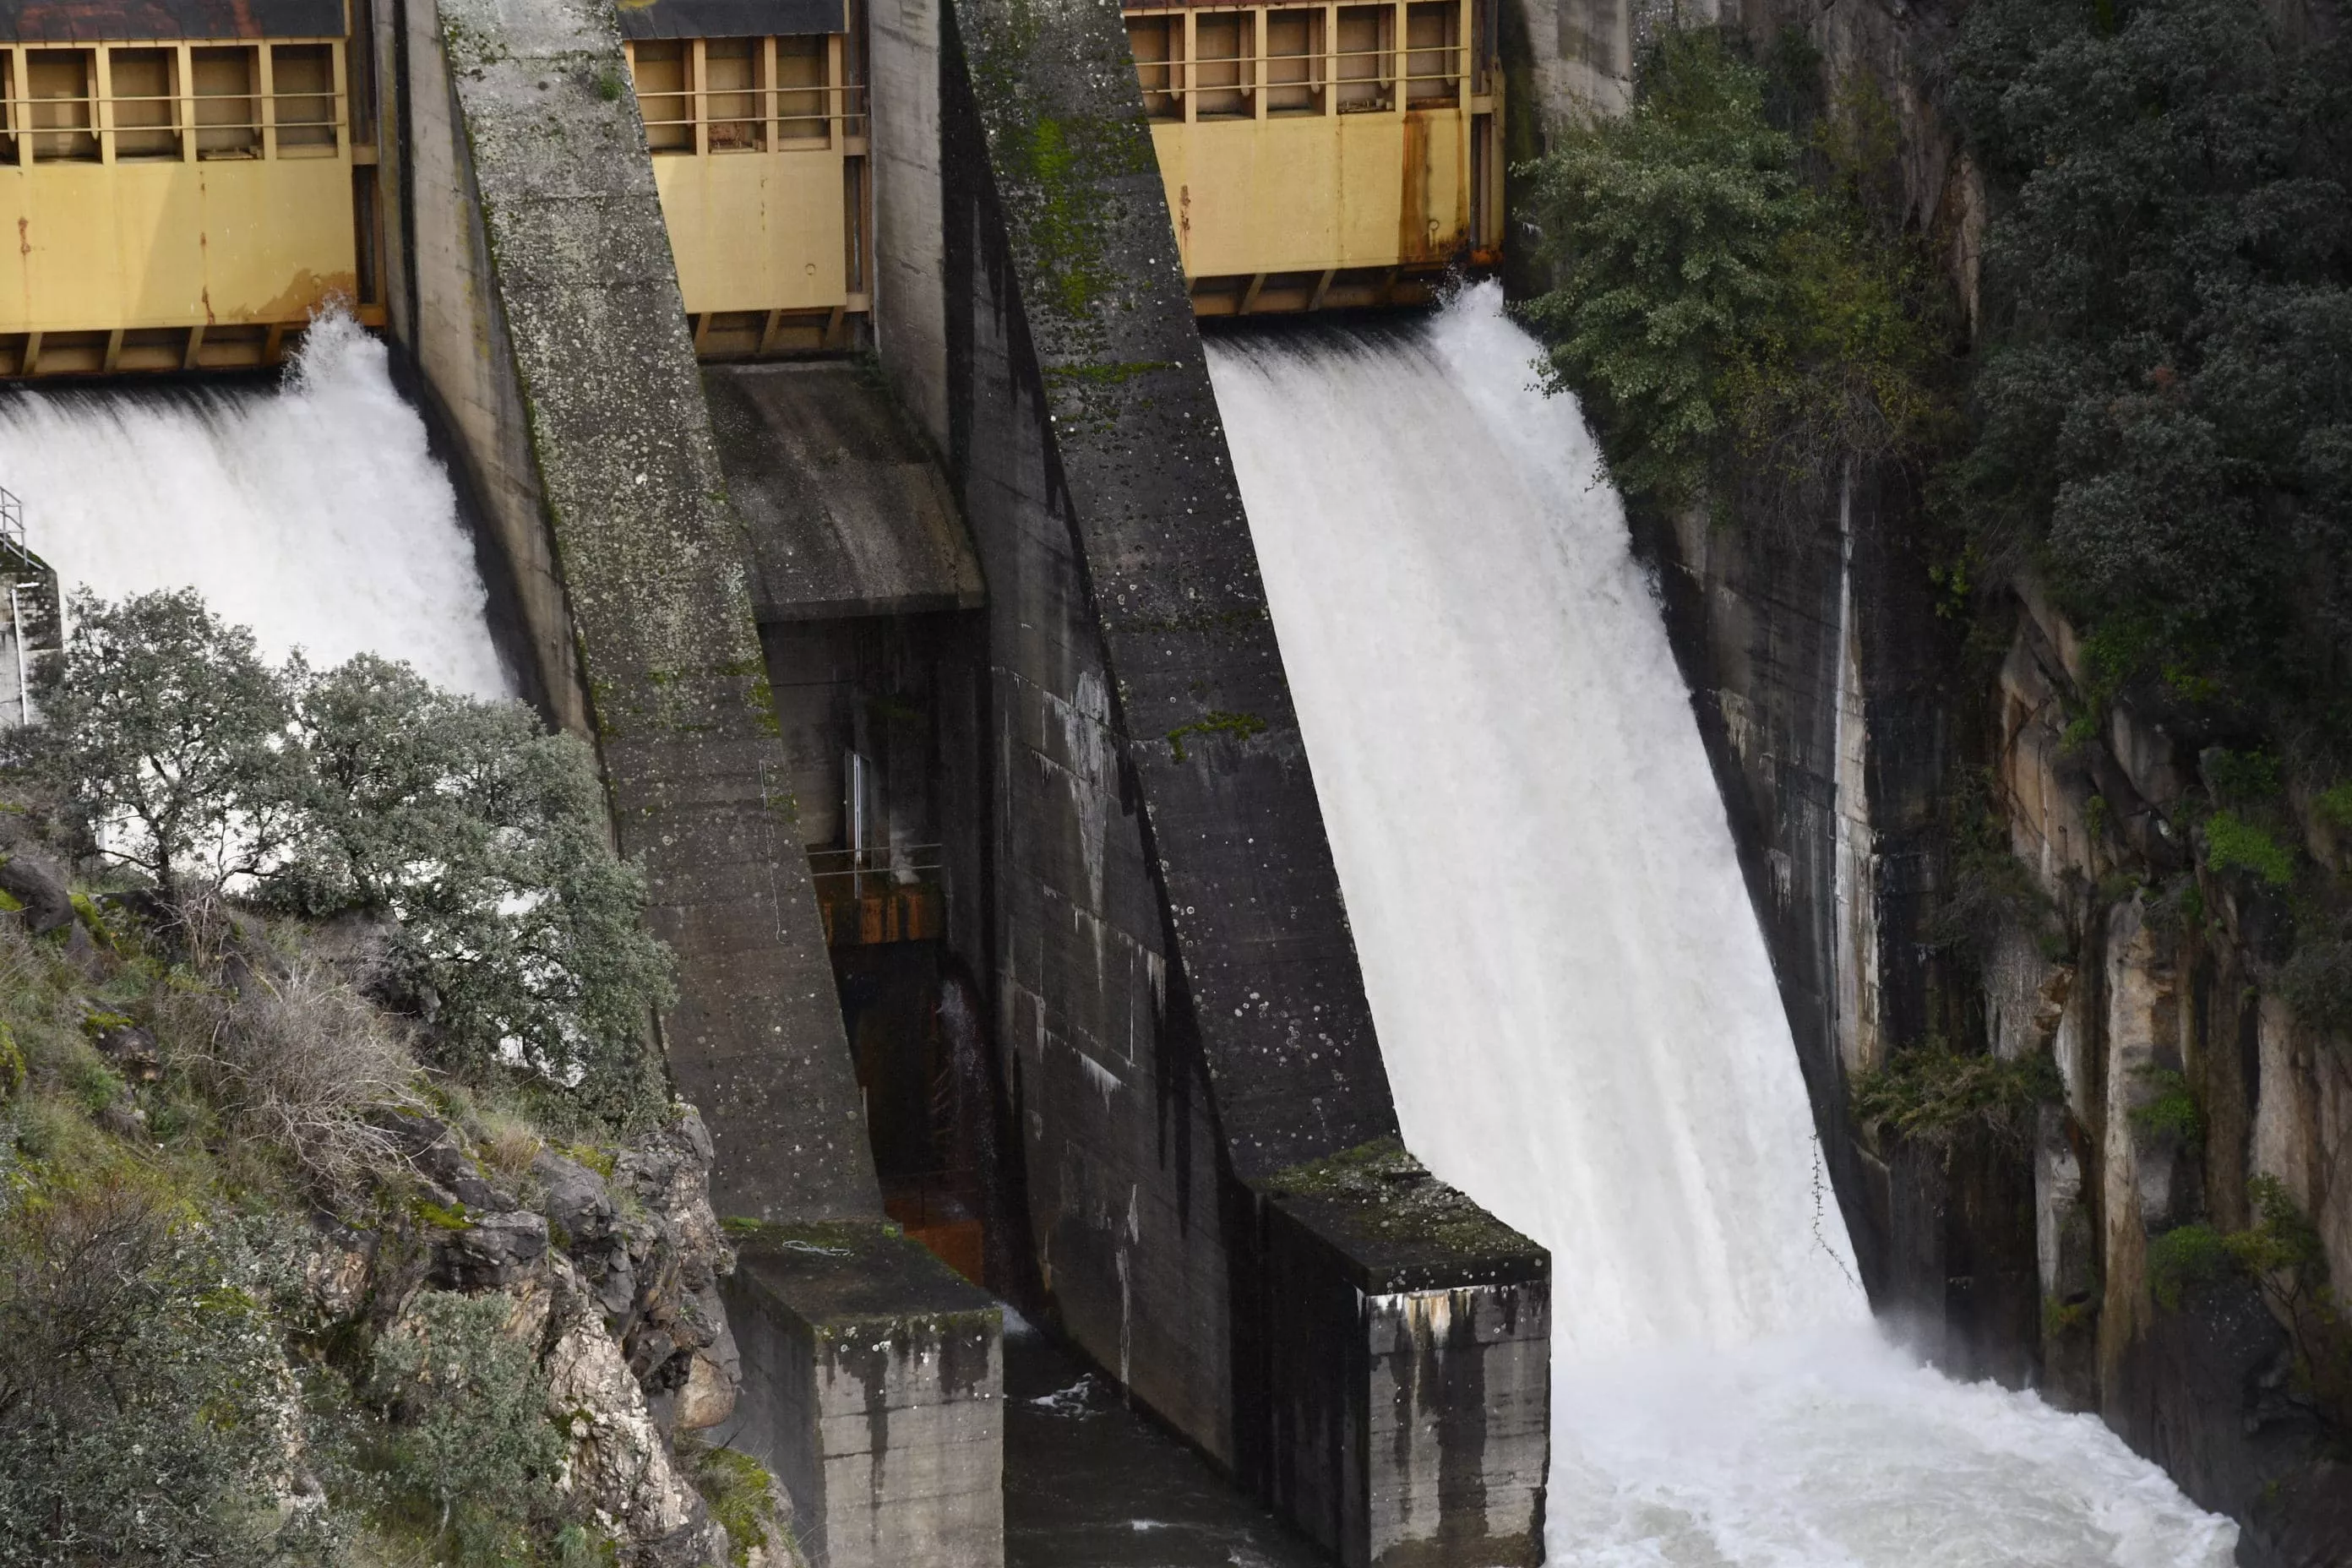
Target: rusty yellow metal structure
[(756, 120), (179, 202), (1323, 156)]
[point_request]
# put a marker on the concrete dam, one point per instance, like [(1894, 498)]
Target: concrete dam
[(1166, 782)]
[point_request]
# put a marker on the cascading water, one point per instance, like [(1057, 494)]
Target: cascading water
[(312, 512), (1601, 1059)]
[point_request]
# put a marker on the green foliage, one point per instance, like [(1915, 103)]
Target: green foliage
[(162, 732), (469, 1456), (2173, 1112), (1987, 889), (2060, 1317), (2316, 979), (2243, 781), (1239, 726), (1935, 1095), (145, 1399), (2163, 413), (2333, 804), (1709, 299), (520, 934), (2184, 1260), (736, 1488), (2280, 1255), (2233, 843), (609, 86)]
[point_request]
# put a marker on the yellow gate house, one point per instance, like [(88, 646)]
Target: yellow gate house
[(1324, 155), (181, 180), (755, 115)]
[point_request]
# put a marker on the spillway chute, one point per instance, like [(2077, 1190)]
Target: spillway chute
[(1601, 1056)]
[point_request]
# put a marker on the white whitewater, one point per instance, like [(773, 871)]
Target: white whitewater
[(312, 512), (1600, 1056)]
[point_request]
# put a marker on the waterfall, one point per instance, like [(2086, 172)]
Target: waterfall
[(1574, 999), (312, 512)]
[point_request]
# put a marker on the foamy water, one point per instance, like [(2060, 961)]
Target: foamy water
[(1489, 702), (312, 512)]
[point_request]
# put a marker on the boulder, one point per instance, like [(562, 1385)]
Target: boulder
[(38, 886), (490, 1251)]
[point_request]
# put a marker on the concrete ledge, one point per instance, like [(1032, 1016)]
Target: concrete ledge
[(874, 1388), (1408, 1341)]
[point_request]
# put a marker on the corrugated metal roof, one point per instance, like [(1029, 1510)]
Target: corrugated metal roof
[(101, 21), (729, 18)]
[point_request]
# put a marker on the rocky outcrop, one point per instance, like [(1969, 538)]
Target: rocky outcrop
[(614, 1282)]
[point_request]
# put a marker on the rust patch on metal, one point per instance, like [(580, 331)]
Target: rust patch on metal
[(110, 21), (1413, 234)]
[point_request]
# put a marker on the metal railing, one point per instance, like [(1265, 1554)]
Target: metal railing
[(1363, 77), (887, 865), (90, 126), (12, 525), (788, 120)]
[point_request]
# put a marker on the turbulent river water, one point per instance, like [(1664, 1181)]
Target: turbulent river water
[(1490, 703), (312, 511)]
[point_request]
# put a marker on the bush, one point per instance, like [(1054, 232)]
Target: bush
[(520, 934), (1710, 300), (2233, 843), (1935, 1095), (145, 1404), (304, 1064), (2316, 980), (470, 1458), (2184, 1260), (2282, 1256)]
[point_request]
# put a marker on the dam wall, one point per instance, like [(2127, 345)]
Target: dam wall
[(539, 303), (1177, 995), (957, 681)]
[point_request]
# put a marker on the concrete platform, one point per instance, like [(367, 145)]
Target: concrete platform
[(1409, 1366), (874, 1389)]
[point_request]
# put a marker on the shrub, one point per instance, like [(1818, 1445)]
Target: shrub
[(2281, 1255), (520, 936), (1935, 1095), (302, 1063), (469, 1457), (737, 1487), (2316, 979), (2233, 843), (2184, 1260), (145, 1404), (1708, 300), (2173, 1112)]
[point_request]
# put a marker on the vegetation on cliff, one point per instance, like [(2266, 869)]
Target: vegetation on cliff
[(2163, 415), (337, 1182), (1726, 299)]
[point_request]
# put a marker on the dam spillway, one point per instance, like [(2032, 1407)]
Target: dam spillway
[(1600, 1058), (312, 512)]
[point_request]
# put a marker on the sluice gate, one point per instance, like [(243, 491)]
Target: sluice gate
[(755, 115), (1320, 156), (186, 181)]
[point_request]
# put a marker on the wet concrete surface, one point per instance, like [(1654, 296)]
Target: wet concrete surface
[(1089, 1483)]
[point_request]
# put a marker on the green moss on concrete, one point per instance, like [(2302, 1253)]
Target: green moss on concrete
[(1379, 1192), (1238, 726)]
